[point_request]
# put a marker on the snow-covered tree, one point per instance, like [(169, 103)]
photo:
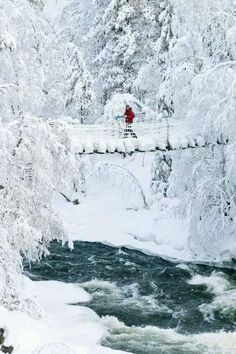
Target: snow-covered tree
[(213, 104), (33, 164), (115, 60), (117, 39), (161, 171), (193, 39), (163, 46), (176, 55), (213, 205), (55, 81), (24, 41), (79, 94)]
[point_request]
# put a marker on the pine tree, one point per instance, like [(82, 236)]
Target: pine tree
[(119, 39), (80, 97), (163, 45), (116, 37)]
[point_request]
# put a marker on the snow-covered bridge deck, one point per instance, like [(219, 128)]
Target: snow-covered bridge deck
[(151, 136)]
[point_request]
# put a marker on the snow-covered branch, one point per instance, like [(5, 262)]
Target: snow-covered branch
[(34, 163)]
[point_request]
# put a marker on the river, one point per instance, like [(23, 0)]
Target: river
[(148, 305)]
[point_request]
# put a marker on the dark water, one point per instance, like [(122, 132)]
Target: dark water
[(144, 293)]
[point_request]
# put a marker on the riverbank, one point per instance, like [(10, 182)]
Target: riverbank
[(55, 327), (144, 304)]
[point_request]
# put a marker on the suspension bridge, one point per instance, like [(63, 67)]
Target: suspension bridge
[(151, 136)]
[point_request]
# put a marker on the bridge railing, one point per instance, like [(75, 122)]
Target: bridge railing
[(96, 130), (110, 136), (116, 129), (165, 132)]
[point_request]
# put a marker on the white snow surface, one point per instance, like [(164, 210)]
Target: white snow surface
[(64, 329), (113, 213), (97, 220)]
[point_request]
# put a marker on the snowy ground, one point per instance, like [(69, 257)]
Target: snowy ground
[(65, 329), (113, 213), (96, 220)]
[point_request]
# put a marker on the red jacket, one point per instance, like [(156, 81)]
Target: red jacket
[(129, 116)]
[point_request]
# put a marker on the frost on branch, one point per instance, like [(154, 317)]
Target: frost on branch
[(213, 104), (33, 163), (199, 186), (120, 177), (213, 205)]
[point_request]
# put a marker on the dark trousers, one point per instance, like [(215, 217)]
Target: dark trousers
[(129, 131)]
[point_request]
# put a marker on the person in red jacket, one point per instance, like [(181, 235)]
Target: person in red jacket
[(129, 119), (129, 115)]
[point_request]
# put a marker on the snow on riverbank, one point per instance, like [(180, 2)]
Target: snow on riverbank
[(64, 329), (96, 220), (113, 214)]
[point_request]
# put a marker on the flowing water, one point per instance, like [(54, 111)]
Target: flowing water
[(147, 304)]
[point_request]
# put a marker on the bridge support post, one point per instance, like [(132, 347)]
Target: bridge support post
[(167, 132)]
